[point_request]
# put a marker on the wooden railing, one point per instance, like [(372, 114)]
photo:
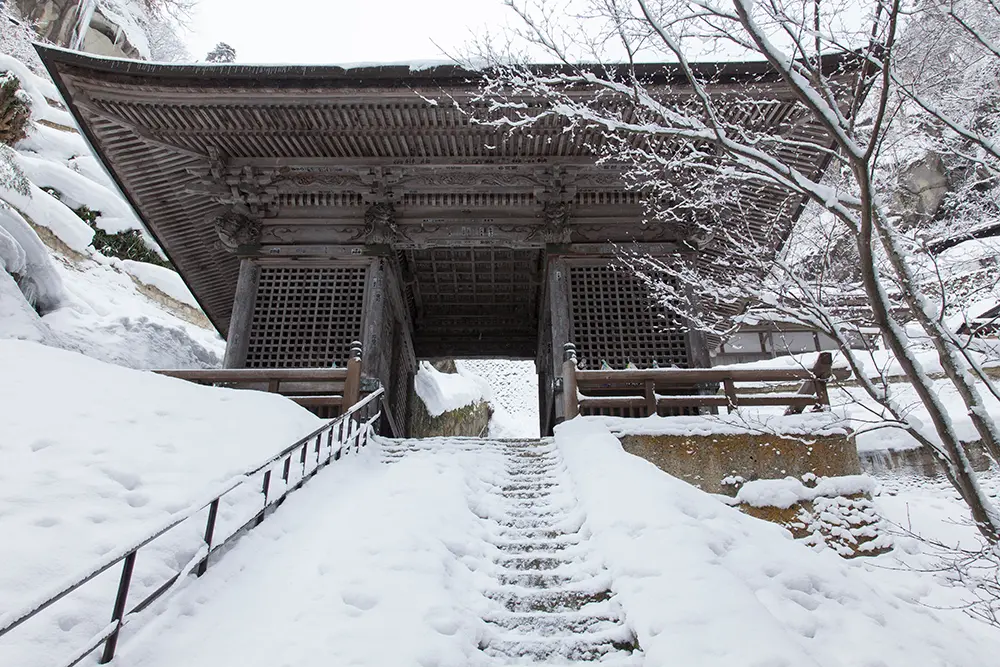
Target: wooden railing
[(325, 391), (671, 391), (294, 465)]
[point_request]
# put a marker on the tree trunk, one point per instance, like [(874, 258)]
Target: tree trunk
[(959, 468)]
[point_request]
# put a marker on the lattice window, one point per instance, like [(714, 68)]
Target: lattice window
[(306, 317), (615, 320)]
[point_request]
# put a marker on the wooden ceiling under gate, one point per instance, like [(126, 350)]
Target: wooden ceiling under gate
[(328, 162)]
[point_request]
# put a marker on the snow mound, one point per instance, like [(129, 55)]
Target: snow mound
[(702, 584), (786, 492), (444, 392)]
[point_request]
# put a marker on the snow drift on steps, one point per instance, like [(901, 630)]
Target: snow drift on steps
[(702, 584), (95, 456)]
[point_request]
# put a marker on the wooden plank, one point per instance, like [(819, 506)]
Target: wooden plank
[(318, 401), (612, 402), (689, 376), (211, 375), (691, 401), (758, 400)]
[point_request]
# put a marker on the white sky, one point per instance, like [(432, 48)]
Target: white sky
[(340, 31)]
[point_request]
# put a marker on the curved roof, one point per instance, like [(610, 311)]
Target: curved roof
[(321, 143)]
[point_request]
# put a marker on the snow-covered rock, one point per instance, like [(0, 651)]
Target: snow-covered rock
[(100, 306)]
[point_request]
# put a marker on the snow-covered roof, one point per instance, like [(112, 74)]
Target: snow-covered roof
[(169, 133)]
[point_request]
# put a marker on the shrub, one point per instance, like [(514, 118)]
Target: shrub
[(15, 110), (127, 244)]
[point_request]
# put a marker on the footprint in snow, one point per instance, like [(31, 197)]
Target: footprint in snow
[(136, 499), (42, 443), (129, 481), (359, 599)]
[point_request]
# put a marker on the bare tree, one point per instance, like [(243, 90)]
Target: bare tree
[(851, 75)]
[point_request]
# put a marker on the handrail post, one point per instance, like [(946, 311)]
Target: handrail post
[(119, 611), (352, 385), (571, 402), (729, 387), (823, 370), (213, 512)]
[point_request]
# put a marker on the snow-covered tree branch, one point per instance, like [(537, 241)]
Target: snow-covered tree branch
[(869, 81)]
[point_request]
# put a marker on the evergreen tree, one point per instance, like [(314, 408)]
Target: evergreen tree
[(222, 53)]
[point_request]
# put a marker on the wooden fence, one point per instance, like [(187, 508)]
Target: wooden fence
[(673, 391), (327, 392)]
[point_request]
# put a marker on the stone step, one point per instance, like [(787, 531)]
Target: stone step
[(532, 562), (533, 579), (532, 546), (548, 624), (529, 533), (571, 650), (551, 600), (527, 486)]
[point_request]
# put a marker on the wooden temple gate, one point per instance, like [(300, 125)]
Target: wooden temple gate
[(310, 207)]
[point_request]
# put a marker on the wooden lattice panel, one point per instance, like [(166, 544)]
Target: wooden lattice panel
[(615, 320), (306, 317)]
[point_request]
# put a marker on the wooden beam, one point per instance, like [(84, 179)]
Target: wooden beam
[(238, 336), (560, 313)]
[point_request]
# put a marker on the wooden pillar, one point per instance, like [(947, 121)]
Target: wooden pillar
[(560, 314), (697, 341), (373, 363), (238, 336)]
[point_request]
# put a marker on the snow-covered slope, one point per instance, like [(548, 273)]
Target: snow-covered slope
[(95, 457), (67, 294)]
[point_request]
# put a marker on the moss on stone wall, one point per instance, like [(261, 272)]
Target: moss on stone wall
[(470, 420), (705, 460)]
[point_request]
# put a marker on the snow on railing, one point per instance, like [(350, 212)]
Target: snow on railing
[(349, 432)]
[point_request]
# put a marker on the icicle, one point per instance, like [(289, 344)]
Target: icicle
[(84, 13)]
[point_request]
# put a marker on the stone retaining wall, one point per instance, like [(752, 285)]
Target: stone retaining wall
[(706, 460)]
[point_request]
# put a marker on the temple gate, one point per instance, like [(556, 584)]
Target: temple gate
[(308, 207)]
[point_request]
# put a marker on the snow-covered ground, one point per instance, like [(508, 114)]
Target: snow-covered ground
[(374, 564), (96, 456)]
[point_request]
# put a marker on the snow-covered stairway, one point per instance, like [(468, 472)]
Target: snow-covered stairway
[(552, 599)]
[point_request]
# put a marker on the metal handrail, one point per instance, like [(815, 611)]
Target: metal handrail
[(360, 416)]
